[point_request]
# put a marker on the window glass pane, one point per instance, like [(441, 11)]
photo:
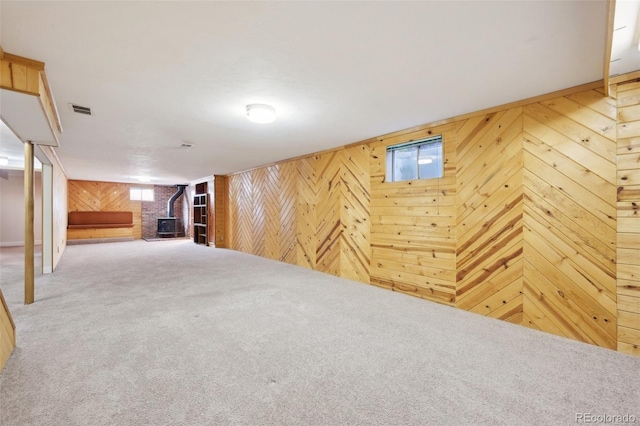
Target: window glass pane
[(430, 160), (147, 194), (135, 194), (421, 159), (405, 164)]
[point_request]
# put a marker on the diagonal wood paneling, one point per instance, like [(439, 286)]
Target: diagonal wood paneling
[(355, 245), (413, 224), (104, 196), (489, 215), (271, 210), (261, 196), (306, 199), (287, 191), (329, 230), (570, 217), (241, 212), (628, 215), (524, 226)]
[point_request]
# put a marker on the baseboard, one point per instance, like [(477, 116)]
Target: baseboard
[(17, 243), (99, 240)]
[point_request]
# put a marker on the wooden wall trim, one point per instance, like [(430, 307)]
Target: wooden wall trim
[(53, 157), (31, 63), (6, 308), (611, 14), (623, 78), (7, 333), (48, 102), (558, 93), (498, 108)]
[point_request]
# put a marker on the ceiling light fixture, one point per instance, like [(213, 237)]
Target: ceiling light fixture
[(261, 113), (144, 179), (4, 161)]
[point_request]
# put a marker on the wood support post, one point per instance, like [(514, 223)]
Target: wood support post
[(29, 237)]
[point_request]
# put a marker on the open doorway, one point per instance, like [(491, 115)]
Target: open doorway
[(12, 204)]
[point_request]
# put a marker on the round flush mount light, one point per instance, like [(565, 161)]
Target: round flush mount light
[(4, 161), (261, 113)]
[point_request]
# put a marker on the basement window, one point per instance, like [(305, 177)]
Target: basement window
[(141, 194), (415, 160)]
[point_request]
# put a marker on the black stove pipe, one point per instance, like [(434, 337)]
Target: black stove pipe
[(172, 200)]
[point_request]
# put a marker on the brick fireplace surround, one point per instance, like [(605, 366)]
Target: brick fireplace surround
[(152, 210)]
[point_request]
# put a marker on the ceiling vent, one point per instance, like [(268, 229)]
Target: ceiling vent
[(186, 145), (81, 110)]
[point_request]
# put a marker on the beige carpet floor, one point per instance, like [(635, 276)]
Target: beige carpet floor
[(173, 333)]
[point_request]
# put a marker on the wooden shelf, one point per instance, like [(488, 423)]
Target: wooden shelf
[(200, 213)]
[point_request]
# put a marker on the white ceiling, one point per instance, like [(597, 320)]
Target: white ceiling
[(158, 74)]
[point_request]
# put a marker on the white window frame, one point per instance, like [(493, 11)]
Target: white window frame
[(141, 194), (439, 158)]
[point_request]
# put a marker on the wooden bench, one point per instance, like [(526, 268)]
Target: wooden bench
[(99, 227), (93, 220)]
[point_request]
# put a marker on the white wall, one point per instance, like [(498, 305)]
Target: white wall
[(12, 209), (47, 218)]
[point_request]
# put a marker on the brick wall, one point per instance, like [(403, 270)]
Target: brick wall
[(152, 210)]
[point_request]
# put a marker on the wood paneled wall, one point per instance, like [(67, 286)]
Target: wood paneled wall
[(221, 199), (103, 196), (628, 205), (524, 226), (489, 210), (413, 224), (312, 212), (570, 217), (263, 212), (7, 333)]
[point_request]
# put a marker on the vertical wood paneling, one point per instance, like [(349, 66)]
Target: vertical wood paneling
[(413, 224), (628, 205), (489, 211), (569, 218), (20, 76), (105, 196), (221, 198)]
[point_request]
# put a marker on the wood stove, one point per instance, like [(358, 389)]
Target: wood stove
[(167, 226)]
